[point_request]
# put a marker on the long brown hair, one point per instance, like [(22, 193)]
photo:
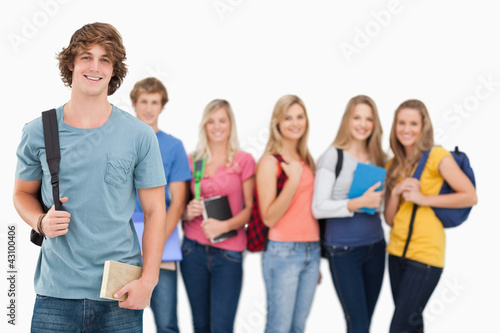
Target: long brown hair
[(275, 142), (402, 165), (374, 141)]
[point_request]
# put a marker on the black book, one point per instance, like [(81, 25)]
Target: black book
[(218, 208)]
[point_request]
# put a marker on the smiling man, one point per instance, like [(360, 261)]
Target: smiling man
[(106, 154)]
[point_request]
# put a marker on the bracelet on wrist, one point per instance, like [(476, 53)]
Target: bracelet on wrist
[(39, 224)]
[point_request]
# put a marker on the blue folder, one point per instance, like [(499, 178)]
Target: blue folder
[(365, 176), (172, 249)]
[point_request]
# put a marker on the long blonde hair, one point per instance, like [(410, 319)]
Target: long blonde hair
[(374, 142), (275, 142), (203, 149), (402, 165)]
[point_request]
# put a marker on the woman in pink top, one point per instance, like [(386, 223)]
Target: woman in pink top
[(212, 272), (290, 262)]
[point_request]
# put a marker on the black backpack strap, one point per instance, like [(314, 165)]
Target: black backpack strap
[(416, 174), (410, 230), (322, 222), (340, 161), (52, 150)]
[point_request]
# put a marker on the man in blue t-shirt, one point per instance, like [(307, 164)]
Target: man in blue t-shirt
[(149, 97), (106, 154)]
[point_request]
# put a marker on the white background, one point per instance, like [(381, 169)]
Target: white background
[(253, 52)]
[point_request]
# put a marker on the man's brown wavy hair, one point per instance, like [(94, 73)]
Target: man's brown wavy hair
[(102, 34)]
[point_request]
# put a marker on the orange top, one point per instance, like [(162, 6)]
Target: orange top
[(298, 223)]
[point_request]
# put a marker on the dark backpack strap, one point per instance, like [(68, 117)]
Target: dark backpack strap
[(417, 174), (410, 230), (280, 182), (52, 150), (282, 177), (340, 161), (322, 222)]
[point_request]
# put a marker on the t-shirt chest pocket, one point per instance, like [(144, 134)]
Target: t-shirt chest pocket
[(119, 168)]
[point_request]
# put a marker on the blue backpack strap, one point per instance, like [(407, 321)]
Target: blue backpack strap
[(421, 165)]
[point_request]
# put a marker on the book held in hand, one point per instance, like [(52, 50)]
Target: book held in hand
[(365, 176), (218, 208), (116, 275)]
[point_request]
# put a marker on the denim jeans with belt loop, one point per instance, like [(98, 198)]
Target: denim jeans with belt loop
[(53, 314), (357, 274), (412, 284)]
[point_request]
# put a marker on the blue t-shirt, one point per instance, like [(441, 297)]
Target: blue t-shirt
[(175, 163), (99, 172)]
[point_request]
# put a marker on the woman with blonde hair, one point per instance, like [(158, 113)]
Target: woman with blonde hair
[(353, 240), (212, 271), (416, 262), (290, 261)]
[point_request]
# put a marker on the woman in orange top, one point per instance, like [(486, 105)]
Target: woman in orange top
[(415, 270), (290, 262)]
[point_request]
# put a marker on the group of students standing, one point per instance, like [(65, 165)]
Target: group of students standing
[(353, 241), (111, 162)]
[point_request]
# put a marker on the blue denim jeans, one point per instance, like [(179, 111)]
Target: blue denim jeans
[(412, 284), (164, 302), (213, 279), (52, 314), (357, 274), (291, 273)]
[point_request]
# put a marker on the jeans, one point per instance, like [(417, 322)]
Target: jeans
[(52, 314), (213, 279), (291, 273), (357, 274), (412, 284), (164, 302)]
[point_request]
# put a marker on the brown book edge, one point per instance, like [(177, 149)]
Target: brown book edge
[(168, 265), (115, 276)]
